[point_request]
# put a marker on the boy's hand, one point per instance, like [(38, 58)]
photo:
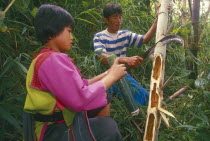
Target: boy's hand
[(133, 61), (158, 7)]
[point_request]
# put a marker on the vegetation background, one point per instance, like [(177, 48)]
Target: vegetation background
[(191, 109)]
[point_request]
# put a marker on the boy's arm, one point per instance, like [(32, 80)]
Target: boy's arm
[(133, 61), (150, 33)]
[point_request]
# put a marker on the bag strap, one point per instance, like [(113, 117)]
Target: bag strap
[(28, 127), (57, 116), (80, 129)]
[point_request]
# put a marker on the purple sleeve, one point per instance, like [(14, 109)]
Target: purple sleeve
[(85, 82), (59, 75)]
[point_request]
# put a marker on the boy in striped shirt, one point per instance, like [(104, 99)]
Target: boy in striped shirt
[(115, 41)]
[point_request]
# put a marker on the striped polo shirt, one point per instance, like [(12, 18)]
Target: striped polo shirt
[(116, 43)]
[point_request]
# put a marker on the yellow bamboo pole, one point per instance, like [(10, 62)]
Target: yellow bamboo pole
[(154, 111)]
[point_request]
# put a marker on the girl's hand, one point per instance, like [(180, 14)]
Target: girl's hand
[(116, 72)]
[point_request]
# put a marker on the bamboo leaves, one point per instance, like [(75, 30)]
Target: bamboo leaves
[(6, 115)]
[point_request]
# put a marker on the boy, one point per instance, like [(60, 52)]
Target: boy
[(57, 95), (115, 41)]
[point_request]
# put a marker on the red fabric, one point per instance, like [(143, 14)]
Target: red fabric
[(43, 131), (42, 51), (35, 80), (60, 121), (60, 104), (45, 53)]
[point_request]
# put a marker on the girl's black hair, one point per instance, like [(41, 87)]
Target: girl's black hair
[(50, 21), (110, 9)]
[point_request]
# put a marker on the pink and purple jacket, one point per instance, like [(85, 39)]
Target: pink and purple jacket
[(58, 74), (54, 83)]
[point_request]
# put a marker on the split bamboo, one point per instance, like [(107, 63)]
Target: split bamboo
[(154, 111)]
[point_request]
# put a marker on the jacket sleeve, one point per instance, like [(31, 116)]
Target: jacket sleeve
[(59, 75)]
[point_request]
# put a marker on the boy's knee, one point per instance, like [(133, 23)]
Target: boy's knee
[(112, 132), (106, 129)]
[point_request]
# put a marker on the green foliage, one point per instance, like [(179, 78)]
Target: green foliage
[(18, 44), (192, 118), (22, 5), (34, 11), (2, 18), (182, 31)]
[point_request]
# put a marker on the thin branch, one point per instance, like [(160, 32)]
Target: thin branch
[(140, 130), (179, 92), (5, 11), (170, 28), (166, 83)]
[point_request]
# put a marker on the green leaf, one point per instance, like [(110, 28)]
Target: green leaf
[(86, 21), (22, 5), (3, 28), (24, 30), (187, 126), (22, 67), (85, 4), (6, 115), (34, 11), (201, 83), (8, 63), (207, 94), (89, 12)]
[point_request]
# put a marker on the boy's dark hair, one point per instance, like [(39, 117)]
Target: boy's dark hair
[(110, 9), (50, 21)]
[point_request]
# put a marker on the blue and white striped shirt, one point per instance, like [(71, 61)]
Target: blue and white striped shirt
[(116, 43)]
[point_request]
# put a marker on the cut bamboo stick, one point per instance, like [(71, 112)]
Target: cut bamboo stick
[(157, 78)]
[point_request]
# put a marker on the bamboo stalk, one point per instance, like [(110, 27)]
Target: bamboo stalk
[(125, 90), (157, 77)]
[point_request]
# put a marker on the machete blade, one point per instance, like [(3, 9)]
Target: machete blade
[(148, 52), (177, 40), (165, 40)]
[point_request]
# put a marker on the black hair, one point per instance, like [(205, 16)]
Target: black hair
[(50, 21), (110, 9)]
